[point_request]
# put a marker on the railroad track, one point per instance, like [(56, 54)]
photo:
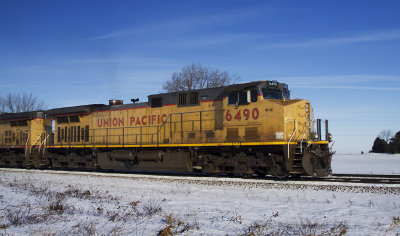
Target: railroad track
[(358, 178), (338, 178)]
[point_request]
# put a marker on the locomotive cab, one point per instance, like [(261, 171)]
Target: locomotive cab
[(275, 90), (262, 113), (247, 93)]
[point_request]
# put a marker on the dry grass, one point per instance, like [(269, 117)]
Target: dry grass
[(304, 227), (102, 213), (176, 225), (395, 224)]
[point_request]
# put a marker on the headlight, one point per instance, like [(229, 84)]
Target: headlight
[(330, 137)]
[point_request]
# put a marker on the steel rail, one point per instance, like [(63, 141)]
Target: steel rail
[(358, 178), (335, 178)]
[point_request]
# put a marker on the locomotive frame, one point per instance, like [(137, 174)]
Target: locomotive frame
[(241, 129)]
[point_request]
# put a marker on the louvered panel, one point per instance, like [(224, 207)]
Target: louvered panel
[(251, 133), (232, 134)]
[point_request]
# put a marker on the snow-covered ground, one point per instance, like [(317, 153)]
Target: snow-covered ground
[(59, 203), (371, 163)]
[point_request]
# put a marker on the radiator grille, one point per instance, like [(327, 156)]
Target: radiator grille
[(251, 133), (210, 134), (232, 134)]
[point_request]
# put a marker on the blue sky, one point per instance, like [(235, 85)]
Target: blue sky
[(343, 56)]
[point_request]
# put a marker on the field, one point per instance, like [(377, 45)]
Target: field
[(58, 203)]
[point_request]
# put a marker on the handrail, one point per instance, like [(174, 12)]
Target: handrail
[(330, 148), (26, 144), (312, 124), (301, 141), (30, 150), (43, 143), (290, 139), (157, 129)]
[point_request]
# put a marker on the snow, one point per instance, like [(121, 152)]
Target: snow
[(39, 202), (371, 163)]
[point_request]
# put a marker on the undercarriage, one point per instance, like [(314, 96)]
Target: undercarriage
[(246, 161)]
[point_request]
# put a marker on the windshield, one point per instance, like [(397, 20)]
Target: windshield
[(271, 94)]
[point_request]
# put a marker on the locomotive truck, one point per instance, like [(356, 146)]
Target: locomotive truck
[(241, 129)]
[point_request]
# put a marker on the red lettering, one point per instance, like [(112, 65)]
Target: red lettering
[(105, 123), (228, 116), (99, 122), (237, 116), (255, 113), (246, 113), (163, 118), (121, 121), (137, 121), (143, 120), (132, 120), (115, 122)]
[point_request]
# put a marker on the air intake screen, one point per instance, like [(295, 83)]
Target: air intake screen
[(251, 133), (232, 134)]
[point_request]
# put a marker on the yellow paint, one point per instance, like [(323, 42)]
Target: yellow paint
[(210, 123), (32, 133), (179, 145)]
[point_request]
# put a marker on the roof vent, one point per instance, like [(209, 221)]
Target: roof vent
[(114, 102)]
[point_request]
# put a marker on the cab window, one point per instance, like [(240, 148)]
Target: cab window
[(253, 95), (272, 94), (244, 98), (232, 98), (239, 98)]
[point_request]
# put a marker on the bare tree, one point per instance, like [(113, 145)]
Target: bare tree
[(2, 105), (386, 135), (197, 77), (14, 102)]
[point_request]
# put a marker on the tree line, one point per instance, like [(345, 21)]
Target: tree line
[(20, 102), (197, 76), (387, 142)]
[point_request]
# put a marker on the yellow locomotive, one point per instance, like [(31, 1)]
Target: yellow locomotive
[(19, 133), (240, 129)]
